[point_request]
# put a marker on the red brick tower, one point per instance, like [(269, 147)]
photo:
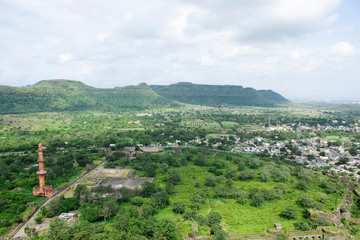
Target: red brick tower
[(42, 189)]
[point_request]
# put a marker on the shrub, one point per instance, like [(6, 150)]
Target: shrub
[(282, 236), (317, 205), (173, 177), (179, 207), (317, 221), (210, 181), (257, 200), (288, 212), (161, 199), (270, 193), (265, 176), (301, 185), (38, 220), (148, 209), (214, 218), (304, 201), (301, 226), (245, 175), (190, 215), (282, 187), (137, 201), (91, 214), (170, 188), (241, 166)]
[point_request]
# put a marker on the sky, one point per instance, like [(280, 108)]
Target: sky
[(299, 48)]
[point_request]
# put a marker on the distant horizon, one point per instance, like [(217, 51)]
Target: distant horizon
[(349, 100)]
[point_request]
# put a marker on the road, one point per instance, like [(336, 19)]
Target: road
[(21, 233)]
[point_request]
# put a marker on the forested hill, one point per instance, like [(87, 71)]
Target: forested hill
[(61, 95), (218, 94), (272, 96), (68, 95)]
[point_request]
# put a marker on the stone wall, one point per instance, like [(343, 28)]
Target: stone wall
[(293, 235), (342, 211), (309, 236), (334, 237), (108, 170), (236, 236), (274, 231), (298, 231), (249, 235)]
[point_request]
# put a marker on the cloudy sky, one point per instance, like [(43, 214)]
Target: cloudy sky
[(299, 48)]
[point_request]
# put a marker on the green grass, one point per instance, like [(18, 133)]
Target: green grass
[(250, 127), (247, 219), (236, 217), (229, 124), (213, 125), (337, 138)]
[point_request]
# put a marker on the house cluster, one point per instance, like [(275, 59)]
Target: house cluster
[(350, 128), (294, 127), (314, 152), (257, 145)]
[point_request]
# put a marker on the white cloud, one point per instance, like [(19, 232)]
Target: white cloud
[(65, 57), (103, 36), (274, 44), (207, 60), (300, 10), (300, 53), (260, 20), (342, 48), (333, 18)]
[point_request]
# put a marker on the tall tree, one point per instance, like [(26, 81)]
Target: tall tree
[(109, 209)]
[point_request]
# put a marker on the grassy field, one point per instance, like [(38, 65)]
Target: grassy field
[(238, 218), (337, 138), (207, 125), (229, 124), (250, 127)]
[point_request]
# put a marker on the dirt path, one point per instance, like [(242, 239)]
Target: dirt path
[(31, 223)]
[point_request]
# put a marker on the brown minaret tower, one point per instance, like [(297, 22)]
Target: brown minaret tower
[(42, 189)]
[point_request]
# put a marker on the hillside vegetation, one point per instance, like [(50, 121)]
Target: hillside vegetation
[(60, 95), (67, 95), (200, 187), (219, 95)]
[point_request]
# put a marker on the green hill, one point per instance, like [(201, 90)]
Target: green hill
[(60, 95), (272, 96), (68, 95), (218, 94)]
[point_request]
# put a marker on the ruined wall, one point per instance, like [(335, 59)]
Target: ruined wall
[(108, 170), (309, 236), (293, 235)]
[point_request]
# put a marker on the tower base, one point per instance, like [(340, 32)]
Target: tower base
[(46, 191)]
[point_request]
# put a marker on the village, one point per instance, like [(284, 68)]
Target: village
[(314, 151)]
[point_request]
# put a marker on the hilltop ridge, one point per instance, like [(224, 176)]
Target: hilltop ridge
[(70, 95), (201, 94)]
